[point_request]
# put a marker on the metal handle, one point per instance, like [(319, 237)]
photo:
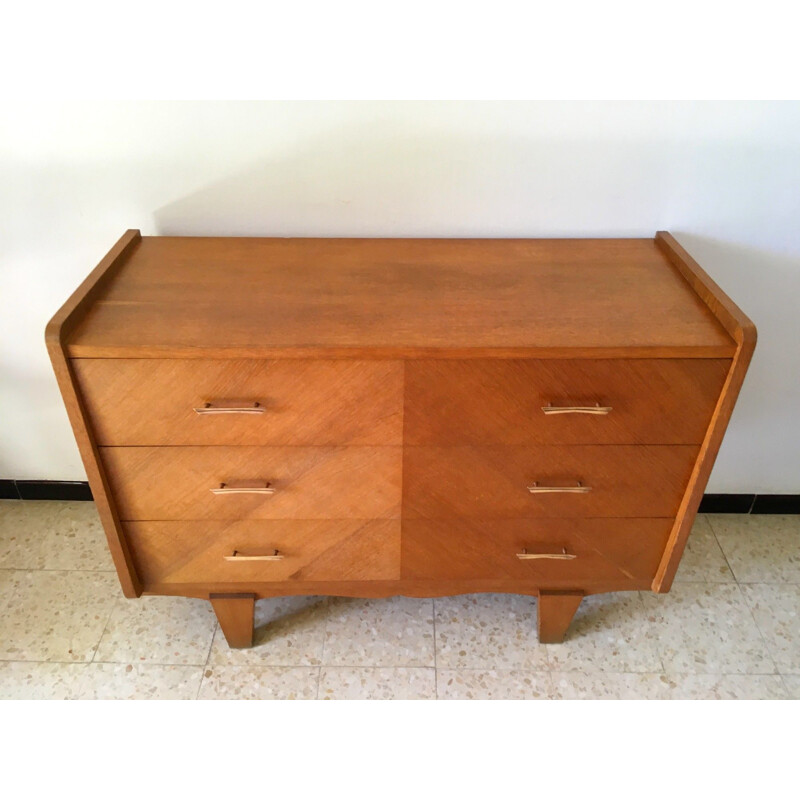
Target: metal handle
[(244, 487), (231, 408), (237, 556), (562, 556), (596, 410), (534, 488)]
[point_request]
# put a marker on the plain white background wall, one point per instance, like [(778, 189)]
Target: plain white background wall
[(723, 177)]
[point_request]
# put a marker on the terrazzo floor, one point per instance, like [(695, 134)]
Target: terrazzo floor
[(729, 629)]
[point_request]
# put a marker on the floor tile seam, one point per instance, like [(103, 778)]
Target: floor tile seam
[(105, 626), (722, 549), (761, 633), (786, 688), (376, 666), (211, 642), (435, 648), (59, 569), (197, 665), (656, 642), (769, 583)]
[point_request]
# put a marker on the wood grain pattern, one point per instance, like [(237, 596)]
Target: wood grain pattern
[(491, 482), (398, 376), (555, 612), (743, 331), (397, 588), (194, 552), (235, 614), (606, 549), (56, 335), (173, 483), (666, 401), (397, 298), (151, 401)]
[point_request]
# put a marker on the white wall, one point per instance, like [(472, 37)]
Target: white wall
[(724, 178)]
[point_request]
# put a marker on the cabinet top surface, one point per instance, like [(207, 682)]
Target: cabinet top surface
[(176, 296)]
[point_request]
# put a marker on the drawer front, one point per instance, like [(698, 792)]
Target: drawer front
[(153, 401), (547, 552), (651, 401), (172, 483), (495, 482), (245, 551)]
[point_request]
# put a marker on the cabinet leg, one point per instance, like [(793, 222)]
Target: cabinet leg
[(556, 610), (235, 614)]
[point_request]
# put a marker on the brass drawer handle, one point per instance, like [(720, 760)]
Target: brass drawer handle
[(244, 487), (237, 556), (534, 488), (596, 410), (231, 408), (562, 556)]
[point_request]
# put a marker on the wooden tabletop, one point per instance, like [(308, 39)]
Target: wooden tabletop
[(404, 298)]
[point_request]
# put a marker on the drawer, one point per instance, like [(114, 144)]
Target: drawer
[(557, 552), (234, 552), (153, 401), (651, 401), (493, 482), (170, 483)]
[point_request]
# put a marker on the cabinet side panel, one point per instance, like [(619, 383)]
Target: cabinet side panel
[(743, 331), (56, 334)]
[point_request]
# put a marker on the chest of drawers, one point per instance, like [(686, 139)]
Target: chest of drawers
[(374, 417)]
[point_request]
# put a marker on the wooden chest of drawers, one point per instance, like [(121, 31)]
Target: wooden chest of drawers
[(261, 417)]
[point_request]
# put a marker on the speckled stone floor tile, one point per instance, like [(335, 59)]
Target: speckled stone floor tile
[(493, 684), (482, 631), (792, 683), (377, 683), (52, 535), (610, 632), (23, 530), (8, 585), (140, 682), (66, 632), (259, 683), (728, 687), (776, 609), (56, 616), (158, 630), (611, 686), (289, 631), (395, 632), (703, 560), (761, 548), (35, 680), (707, 627)]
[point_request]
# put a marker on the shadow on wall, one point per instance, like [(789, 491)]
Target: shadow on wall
[(392, 180), (30, 397), (764, 433), (395, 180)]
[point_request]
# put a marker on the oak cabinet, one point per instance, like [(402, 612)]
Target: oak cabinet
[(374, 417)]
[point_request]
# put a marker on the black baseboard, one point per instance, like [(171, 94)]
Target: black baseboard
[(711, 503), (45, 490), (727, 503), (776, 504), (8, 490)]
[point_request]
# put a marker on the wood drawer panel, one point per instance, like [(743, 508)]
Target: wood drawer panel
[(171, 483), (653, 401), (318, 550), (152, 401), (492, 482), (605, 549)]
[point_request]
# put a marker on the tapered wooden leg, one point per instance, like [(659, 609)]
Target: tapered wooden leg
[(235, 615), (556, 610)]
